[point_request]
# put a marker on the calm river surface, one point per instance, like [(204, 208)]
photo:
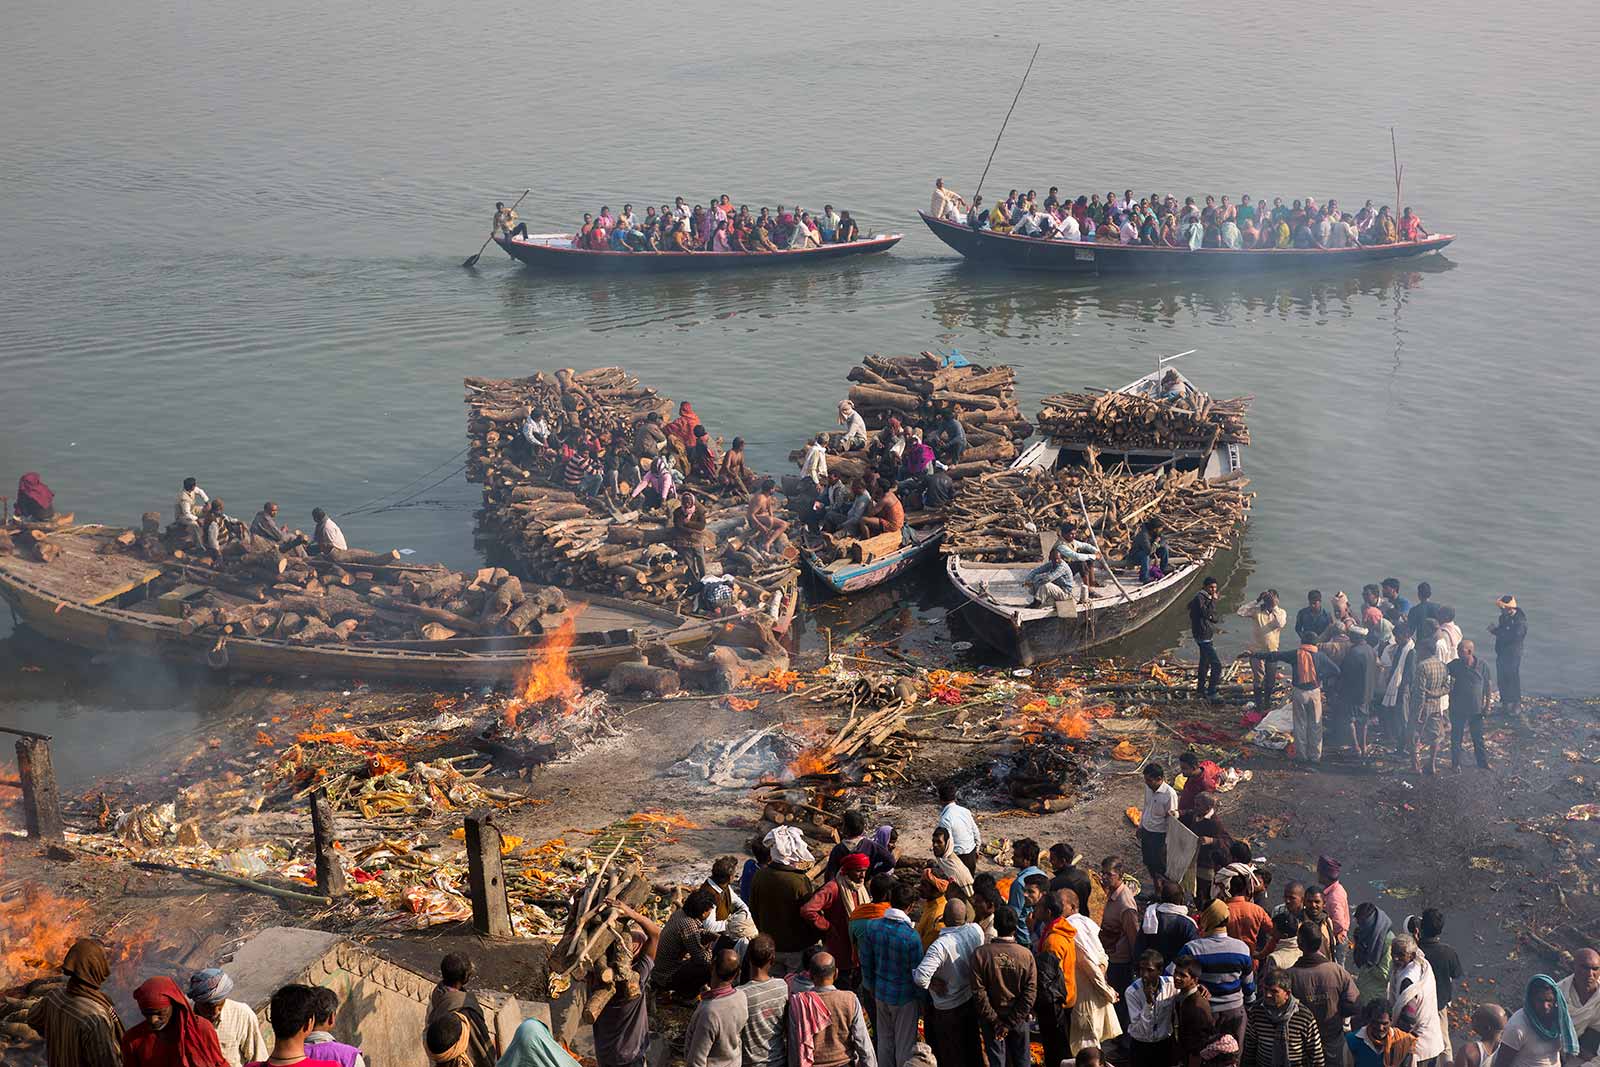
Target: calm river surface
[(232, 237)]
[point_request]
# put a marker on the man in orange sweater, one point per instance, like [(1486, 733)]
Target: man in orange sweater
[(1055, 947)]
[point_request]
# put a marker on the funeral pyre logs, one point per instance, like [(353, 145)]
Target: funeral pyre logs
[(1115, 422), (591, 542), (916, 388), (548, 713), (593, 944), (1001, 519)]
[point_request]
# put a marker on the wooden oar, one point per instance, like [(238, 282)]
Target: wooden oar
[(472, 260)]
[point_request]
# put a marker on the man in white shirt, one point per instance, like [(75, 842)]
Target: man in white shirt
[(962, 827), (946, 973), (944, 201), (814, 464), (238, 1029), (1160, 808), (186, 511), (327, 534), (1581, 989), (1067, 229)]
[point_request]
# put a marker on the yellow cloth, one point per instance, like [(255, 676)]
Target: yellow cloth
[(931, 921)]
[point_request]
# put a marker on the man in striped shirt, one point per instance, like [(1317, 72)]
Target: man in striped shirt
[(1225, 969)]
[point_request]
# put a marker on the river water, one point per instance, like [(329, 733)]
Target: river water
[(233, 235)]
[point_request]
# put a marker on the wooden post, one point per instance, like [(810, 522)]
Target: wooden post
[(330, 872), (491, 908), (41, 801)]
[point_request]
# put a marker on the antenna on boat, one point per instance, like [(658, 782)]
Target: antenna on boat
[(1002, 132), (1164, 360), (1399, 171)]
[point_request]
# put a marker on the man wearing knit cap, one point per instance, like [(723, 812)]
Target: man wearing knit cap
[(238, 1030), (1226, 968), (1337, 901)]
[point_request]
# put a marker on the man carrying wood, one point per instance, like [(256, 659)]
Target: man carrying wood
[(622, 1028)]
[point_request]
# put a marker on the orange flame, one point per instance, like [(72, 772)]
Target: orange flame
[(546, 676), (811, 760)]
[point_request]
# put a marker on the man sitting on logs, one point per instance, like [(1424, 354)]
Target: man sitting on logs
[(887, 515), (765, 525), (218, 530), (265, 527), (326, 535), (855, 428), (733, 474), (689, 536), (185, 519)]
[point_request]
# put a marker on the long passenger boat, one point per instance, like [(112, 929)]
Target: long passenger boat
[(1100, 257), (112, 602), (556, 251)]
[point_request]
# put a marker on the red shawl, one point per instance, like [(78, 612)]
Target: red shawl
[(681, 429), (186, 1041), (32, 488)]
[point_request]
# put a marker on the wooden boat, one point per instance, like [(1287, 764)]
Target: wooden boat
[(847, 576), (1096, 257), (110, 602), (999, 607), (555, 251), (1216, 464)]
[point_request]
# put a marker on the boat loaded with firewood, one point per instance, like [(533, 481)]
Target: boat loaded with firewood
[(357, 615), (1102, 257), (1158, 420), (556, 251), (1002, 528), (914, 389)]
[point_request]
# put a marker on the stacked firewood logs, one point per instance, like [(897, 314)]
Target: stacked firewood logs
[(917, 388), (590, 542), (594, 943), (32, 539), (316, 601), (1117, 421), (1001, 519)]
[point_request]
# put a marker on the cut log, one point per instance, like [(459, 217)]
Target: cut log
[(150, 523), (432, 631), (518, 618), (45, 552), (314, 630), (872, 396), (458, 623)]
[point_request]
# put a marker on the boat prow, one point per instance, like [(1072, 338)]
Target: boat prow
[(851, 576), (556, 251), (1099, 257)]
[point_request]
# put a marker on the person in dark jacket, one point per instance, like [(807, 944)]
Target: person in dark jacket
[(1358, 680), (1469, 702), (1166, 926), (1282, 1032), (1510, 631), (1203, 624), (777, 893), (1005, 981), (1192, 1025), (1326, 989), (1313, 620)]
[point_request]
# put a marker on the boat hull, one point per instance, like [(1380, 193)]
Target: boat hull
[(1037, 640), (1094, 257), (106, 628), (855, 578), (540, 253)]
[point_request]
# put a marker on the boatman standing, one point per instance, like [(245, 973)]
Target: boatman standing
[(505, 221)]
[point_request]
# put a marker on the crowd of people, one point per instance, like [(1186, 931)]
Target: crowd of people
[(1386, 667), (908, 466), (947, 964), (719, 227), (1160, 220)]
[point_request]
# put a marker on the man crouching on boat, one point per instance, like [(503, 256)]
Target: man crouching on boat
[(1052, 581)]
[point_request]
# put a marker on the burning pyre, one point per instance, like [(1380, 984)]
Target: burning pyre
[(549, 712)]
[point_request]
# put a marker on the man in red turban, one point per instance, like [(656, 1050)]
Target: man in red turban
[(172, 1035), (829, 911)]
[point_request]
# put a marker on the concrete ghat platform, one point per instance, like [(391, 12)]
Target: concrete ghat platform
[(383, 1002)]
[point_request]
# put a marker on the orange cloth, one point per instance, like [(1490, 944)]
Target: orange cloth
[(1247, 921), (1060, 940)]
